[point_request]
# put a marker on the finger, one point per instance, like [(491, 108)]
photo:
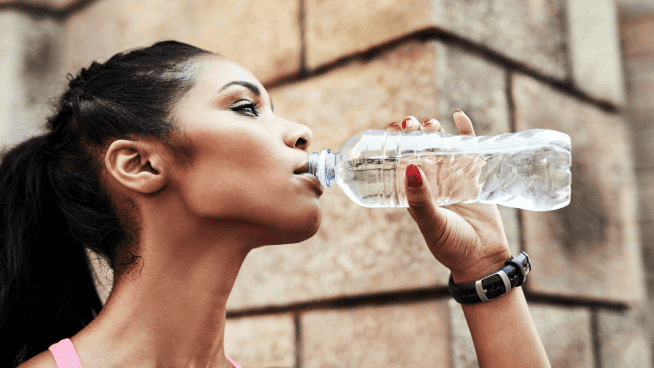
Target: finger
[(393, 126), (463, 123), (429, 217), (433, 125), (410, 124)]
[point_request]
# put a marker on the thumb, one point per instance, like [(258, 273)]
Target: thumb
[(429, 217)]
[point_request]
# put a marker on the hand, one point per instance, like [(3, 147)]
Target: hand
[(468, 239)]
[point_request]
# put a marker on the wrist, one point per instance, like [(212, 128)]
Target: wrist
[(489, 281), (480, 269)]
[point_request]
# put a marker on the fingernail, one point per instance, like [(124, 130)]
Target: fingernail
[(457, 110), (394, 125), (427, 122), (413, 176), (406, 123)]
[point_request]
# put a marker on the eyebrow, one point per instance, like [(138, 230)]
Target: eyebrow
[(247, 85)]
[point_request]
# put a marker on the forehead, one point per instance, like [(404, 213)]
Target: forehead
[(216, 71)]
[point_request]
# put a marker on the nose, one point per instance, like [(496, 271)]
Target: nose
[(301, 137)]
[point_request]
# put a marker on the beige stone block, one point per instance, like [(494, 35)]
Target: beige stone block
[(361, 250), (645, 179), (11, 88), (643, 145), (647, 240), (623, 340), (262, 341), (636, 34), (635, 8), (639, 68), (400, 335), (470, 83), (641, 119), (641, 93), (577, 250), (338, 28), (529, 32), (594, 46), (30, 73), (649, 309), (566, 335), (640, 86), (463, 348), (644, 148), (511, 224), (263, 36)]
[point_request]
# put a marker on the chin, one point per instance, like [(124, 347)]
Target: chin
[(296, 229), (307, 227)]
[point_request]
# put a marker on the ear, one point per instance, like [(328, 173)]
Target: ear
[(137, 165)]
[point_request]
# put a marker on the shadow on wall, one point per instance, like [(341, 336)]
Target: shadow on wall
[(582, 225)]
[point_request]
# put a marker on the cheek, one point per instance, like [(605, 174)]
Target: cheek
[(228, 189), (210, 192), (235, 176)]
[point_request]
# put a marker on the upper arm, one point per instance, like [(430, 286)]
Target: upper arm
[(42, 360)]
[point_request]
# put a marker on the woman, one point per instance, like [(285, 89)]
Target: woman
[(170, 162)]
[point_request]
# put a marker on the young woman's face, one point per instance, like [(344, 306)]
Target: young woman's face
[(246, 156)]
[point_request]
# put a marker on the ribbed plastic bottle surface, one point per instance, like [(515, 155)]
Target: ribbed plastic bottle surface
[(528, 170)]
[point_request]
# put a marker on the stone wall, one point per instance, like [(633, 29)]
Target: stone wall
[(636, 28), (365, 291)]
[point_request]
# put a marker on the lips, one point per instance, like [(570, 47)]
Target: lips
[(302, 169), (314, 182)]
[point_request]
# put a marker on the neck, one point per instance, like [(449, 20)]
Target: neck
[(171, 313)]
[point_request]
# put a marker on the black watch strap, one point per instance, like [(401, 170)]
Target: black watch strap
[(493, 286)]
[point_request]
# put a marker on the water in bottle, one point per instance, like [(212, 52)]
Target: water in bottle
[(528, 170)]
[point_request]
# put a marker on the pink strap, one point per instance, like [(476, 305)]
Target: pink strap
[(65, 354), (230, 359)]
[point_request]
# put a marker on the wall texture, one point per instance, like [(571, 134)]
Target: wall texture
[(636, 27), (365, 291)]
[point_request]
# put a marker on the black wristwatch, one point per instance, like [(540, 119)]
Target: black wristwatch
[(493, 286)]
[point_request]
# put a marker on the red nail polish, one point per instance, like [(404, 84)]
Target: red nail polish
[(427, 122), (404, 124), (394, 125), (413, 176)]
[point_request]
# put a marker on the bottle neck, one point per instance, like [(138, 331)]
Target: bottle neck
[(322, 166)]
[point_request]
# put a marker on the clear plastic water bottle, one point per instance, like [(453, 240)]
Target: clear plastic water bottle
[(528, 170)]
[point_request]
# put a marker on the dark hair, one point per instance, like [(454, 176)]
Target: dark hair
[(55, 204)]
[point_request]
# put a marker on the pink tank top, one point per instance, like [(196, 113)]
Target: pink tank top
[(66, 356)]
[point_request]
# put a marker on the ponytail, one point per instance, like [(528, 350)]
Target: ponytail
[(47, 292), (54, 204)]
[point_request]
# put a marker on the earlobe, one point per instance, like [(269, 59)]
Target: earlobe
[(136, 165)]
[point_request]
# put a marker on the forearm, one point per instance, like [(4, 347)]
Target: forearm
[(504, 333)]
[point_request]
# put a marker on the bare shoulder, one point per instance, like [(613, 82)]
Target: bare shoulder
[(42, 360)]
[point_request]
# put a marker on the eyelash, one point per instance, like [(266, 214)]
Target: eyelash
[(254, 106)]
